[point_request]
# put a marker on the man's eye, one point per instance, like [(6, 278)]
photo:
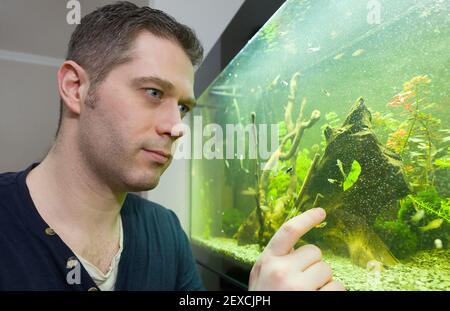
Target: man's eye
[(183, 109), (154, 93)]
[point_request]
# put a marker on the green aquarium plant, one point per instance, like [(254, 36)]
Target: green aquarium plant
[(350, 178), (444, 162), (419, 139), (428, 216), (231, 220)]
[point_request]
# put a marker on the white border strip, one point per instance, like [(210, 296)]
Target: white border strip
[(30, 58)]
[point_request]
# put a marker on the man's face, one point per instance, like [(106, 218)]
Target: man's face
[(126, 133)]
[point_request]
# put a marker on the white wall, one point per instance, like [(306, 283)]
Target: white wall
[(208, 18)]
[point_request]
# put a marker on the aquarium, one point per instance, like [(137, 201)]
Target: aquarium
[(342, 104)]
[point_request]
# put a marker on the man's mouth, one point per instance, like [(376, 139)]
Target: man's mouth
[(159, 156)]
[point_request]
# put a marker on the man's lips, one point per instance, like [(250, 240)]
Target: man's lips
[(159, 156)]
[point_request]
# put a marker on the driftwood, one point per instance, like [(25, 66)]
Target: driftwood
[(265, 219)]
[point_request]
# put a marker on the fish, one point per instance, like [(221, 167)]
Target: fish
[(313, 49), (434, 224), (321, 225), (326, 93), (284, 83), (339, 56), (425, 13), (249, 191), (418, 215), (332, 181), (438, 243), (358, 52), (289, 170), (275, 81)]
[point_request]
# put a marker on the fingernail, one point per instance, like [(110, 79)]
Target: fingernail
[(320, 211)]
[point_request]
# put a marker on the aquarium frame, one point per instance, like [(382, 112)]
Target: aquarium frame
[(225, 273)]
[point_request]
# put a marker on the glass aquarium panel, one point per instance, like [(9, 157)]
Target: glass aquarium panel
[(340, 104)]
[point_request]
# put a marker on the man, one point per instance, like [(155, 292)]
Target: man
[(126, 84)]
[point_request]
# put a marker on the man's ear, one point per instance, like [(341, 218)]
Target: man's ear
[(73, 85)]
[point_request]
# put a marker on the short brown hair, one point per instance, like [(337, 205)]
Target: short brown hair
[(102, 39)]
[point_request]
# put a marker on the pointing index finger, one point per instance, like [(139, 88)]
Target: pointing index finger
[(291, 231)]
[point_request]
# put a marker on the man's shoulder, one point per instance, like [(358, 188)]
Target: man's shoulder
[(9, 187), (8, 179)]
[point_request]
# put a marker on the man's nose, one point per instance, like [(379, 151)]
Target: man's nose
[(168, 120)]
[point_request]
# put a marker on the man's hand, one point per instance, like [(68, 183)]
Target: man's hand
[(280, 267)]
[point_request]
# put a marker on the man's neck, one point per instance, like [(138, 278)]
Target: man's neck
[(78, 194), (75, 202)]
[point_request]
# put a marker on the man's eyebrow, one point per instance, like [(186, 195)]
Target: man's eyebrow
[(152, 79), (191, 102)]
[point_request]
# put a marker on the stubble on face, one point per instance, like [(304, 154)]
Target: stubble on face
[(112, 154), (120, 121)]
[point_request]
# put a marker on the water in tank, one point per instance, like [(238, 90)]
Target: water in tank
[(342, 104)]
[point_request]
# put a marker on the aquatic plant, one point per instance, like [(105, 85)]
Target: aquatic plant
[(427, 215), (384, 124), (231, 220), (351, 177), (441, 209), (269, 34), (444, 162), (419, 139)]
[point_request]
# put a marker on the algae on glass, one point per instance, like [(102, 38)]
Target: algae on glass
[(359, 93)]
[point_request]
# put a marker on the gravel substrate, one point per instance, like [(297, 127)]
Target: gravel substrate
[(427, 270)]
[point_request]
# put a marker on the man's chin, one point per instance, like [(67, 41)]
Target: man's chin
[(141, 188), (142, 179), (142, 185)]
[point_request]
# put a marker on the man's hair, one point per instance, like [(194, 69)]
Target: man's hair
[(104, 37)]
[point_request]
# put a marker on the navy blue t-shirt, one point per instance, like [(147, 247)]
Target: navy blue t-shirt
[(156, 251)]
